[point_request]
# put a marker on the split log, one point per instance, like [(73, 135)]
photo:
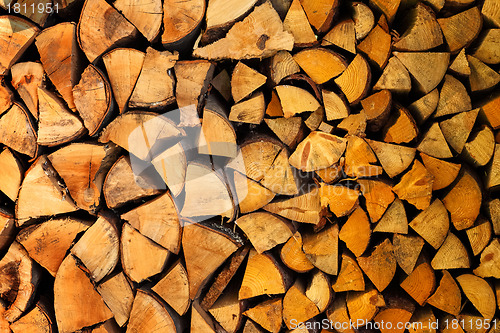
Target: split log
[(320, 64), (101, 27), (118, 295), (266, 39), (56, 124), (321, 249), (98, 248), (342, 35), (380, 265), (159, 315), (447, 296), (179, 32), (27, 77), (134, 249), (297, 307), (355, 80), (350, 276), (471, 19), (297, 24), (123, 67), (76, 303), (60, 57), (52, 195), (263, 275), (23, 138), (148, 92), (293, 255), (267, 314), (20, 277), (47, 243), (158, 220), (205, 249), (16, 34), (12, 175)]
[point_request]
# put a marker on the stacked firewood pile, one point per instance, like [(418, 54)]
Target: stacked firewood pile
[(249, 166)]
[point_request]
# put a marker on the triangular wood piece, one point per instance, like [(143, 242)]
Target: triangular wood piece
[(415, 187), (447, 296), (360, 160), (83, 168), (423, 32), (377, 46), (341, 200), (388, 7), (296, 100), (228, 310), (27, 77), (420, 283), (318, 151), (200, 263), (57, 235), (460, 64), (355, 91), (444, 172), (98, 249), (138, 131), (320, 13), (378, 196), (145, 16), (265, 230), (335, 106), (303, 208), (264, 268), (451, 255), (207, 193), (263, 20), (327, 239), (174, 288), (289, 130), (363, 18), (222, 82), (155, 86), (217, 136), (16, 34), (350, 276), (480, 294), (158, 220), (12, 174), (122, 185), (293, 256), (481, 77), (93, 98), (394, 78), (56, 124), (17, 131), (101, 27), (356, 232), (393, 158), (377, 108), (407, 250), (123, 67), (150, 314), (320, 64), (76, 303), (453, 98), (423, 107), (432, 224), (380, 265), (434, 144), (52, 198), (451, 27), (297, 306), (250, 111), (427, 68), (456, 130), (342, 35), (193, 78), (250, 194), (134, 249), (244, 81), (394, 219), (267, 314), (282, 65), (57, 47), (401, 127), (297, 24), (118, 295), (463, 201)]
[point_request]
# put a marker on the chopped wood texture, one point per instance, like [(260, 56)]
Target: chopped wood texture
[(249, 166)]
